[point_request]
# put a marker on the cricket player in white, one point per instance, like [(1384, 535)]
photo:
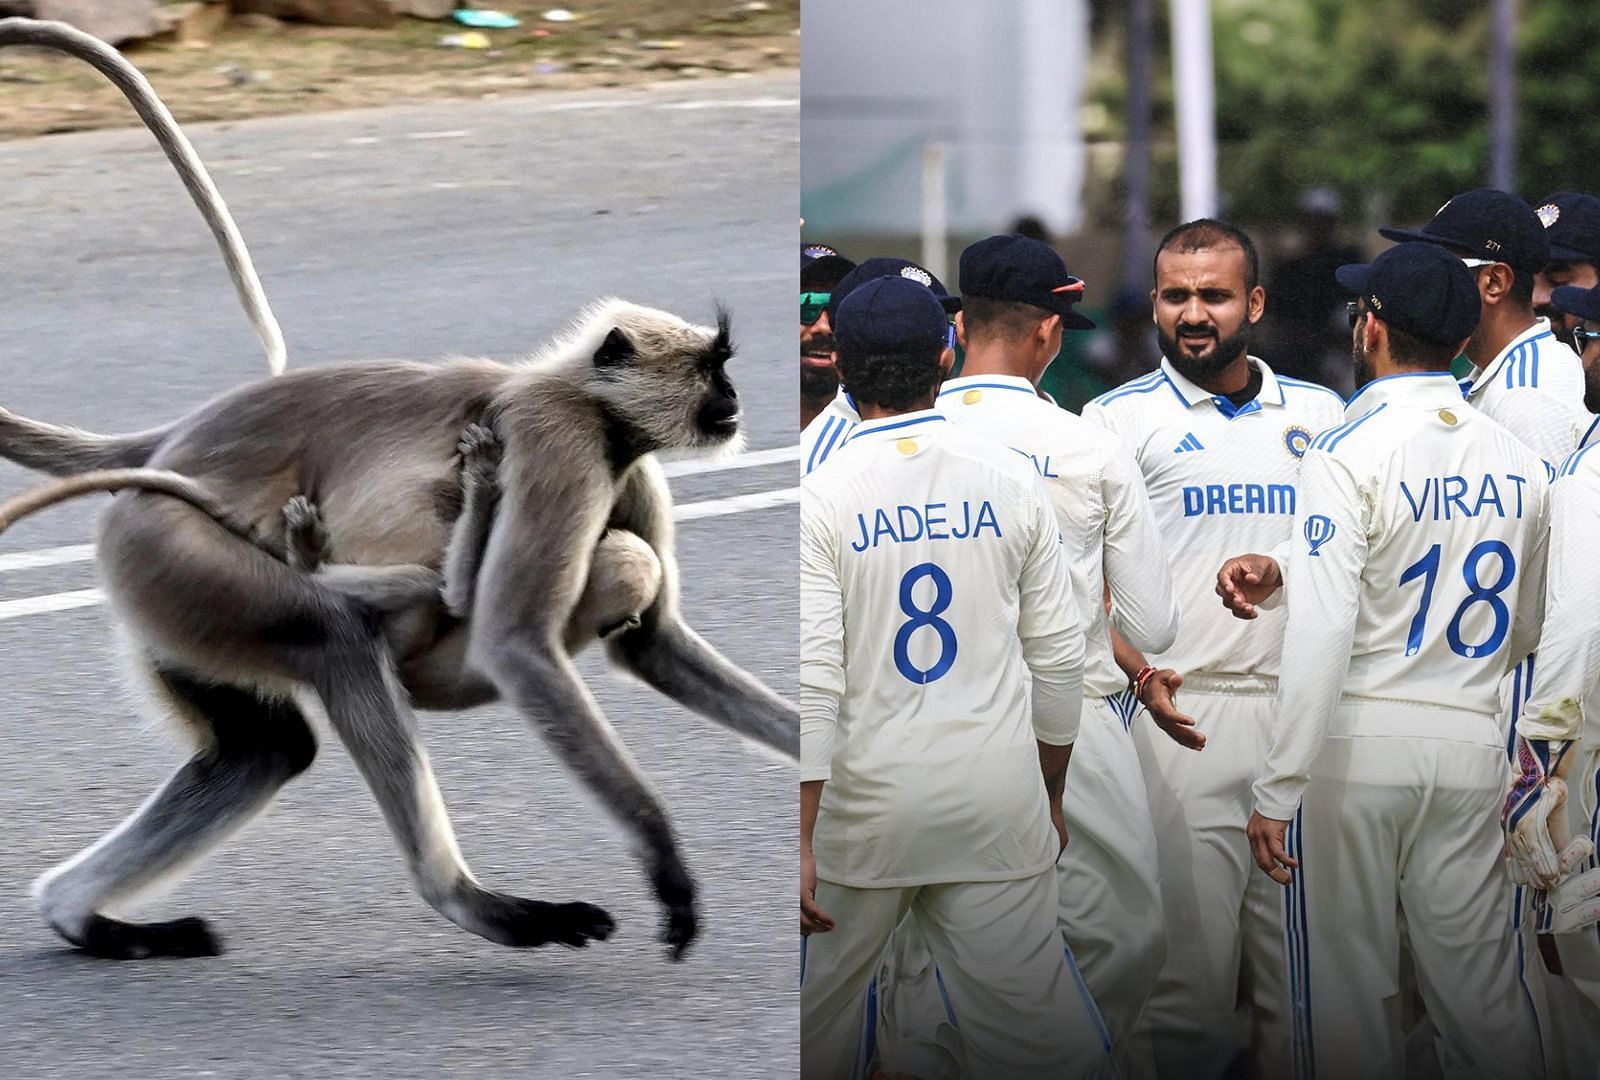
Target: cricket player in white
[(1533, 385), (1012, 318), (941, 681), (1415, 578), (1017, 297), (829, 429), (1218, 437)]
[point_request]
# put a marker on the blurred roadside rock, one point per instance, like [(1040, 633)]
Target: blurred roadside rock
[(112, 21), (369, 13)]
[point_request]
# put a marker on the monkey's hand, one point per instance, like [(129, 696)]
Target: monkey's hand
[(305, 535), (480, 450)]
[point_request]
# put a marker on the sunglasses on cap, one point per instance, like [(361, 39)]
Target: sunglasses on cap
[(812, 305), (1581, 337), (1353, 309)]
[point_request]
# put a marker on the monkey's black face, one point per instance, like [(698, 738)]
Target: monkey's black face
[(717, 419)]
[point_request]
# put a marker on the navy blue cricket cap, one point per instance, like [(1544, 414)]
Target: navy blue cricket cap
[(1571, 223), (1420, 288), (1576, 300), (822, 265), (887, 316), (1486, 224), (883, 266), (1022, 270)]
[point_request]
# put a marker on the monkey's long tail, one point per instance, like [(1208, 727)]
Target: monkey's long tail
[(126, 77), (177, 485)]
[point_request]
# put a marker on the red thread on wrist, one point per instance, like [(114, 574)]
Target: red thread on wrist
[(1139, 680)]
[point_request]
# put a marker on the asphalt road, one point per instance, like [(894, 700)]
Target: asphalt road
[(408, 232)]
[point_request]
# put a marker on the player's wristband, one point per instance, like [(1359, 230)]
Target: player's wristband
[(1137, 685)]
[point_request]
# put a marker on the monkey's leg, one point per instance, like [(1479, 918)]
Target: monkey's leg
[(480, 490), (624, 578), (195, 591), (386, 589), (671, 657), (251, 747), (667, 654), (540, 681), (366, 707)]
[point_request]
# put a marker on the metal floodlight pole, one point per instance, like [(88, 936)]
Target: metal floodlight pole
[(1502, 95), (1136, 148), (1195, 96)]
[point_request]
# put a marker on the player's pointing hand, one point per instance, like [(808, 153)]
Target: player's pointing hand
[(1247, 581)]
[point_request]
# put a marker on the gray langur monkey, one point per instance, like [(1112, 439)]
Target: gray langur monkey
[(234, 639), (231, 634)]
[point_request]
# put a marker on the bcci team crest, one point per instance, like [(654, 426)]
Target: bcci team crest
[(1319, 530), (1296, 440), (1549, 214), (917, 274)]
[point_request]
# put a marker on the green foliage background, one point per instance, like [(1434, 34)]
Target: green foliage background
[(1384, 100)]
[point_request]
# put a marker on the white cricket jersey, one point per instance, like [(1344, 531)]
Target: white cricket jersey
[(1565, 693), (935, 595), (1222, 481), (1417, 566), (1101, 505), (1534, 389), (827, 431)]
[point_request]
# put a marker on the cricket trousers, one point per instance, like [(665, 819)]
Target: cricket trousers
[(1008, 983), (1110, 907), (1220, 1000), (1400, 821)]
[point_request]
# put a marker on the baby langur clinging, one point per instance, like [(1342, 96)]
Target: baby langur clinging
[(233, 635), (623, 578)]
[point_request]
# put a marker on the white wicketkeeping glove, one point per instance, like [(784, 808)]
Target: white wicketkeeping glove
[(1571, 905), (1540, 846)]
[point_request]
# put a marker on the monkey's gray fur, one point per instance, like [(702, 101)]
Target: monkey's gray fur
[(231, 634), (232, 637)]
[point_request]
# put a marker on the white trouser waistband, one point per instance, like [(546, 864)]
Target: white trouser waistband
[(1413, 719)]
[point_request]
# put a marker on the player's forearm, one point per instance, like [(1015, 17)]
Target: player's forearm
[(1128, 658), (1053, 761), (810, 803)]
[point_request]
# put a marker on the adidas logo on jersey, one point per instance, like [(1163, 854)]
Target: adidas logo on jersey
[(1189, 443)]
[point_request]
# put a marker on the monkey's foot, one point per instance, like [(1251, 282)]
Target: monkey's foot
[(681, 930), (675, 889), (116, 940), (480, 451), (526, 924), (305, 536)]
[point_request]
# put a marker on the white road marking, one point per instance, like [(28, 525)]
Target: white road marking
[(751, 460), (362, 140), (40, 605), (56, 556), (738, 103), (755, 500), (461, 133)]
